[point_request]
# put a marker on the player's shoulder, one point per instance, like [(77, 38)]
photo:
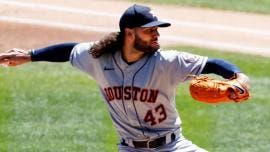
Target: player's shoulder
[(171, 54), (167, 54), (81, 47)]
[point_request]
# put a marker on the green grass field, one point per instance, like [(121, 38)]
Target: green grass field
[(256, 6), (54, 107)]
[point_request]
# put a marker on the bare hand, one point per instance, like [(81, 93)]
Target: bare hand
[(14, 57)]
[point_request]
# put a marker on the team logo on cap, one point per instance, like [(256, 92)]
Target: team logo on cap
[(152, 13)]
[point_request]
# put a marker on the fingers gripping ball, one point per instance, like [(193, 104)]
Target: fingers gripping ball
[(209, 90)]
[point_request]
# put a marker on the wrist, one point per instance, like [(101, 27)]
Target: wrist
[(243, 80), (30, 54), (239, 89)]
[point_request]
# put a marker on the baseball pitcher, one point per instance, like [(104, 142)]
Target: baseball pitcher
[(138, 80)]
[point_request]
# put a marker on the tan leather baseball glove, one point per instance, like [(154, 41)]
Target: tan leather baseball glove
[(210, 90)]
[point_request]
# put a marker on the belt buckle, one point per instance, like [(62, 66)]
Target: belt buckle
[(148, 143)]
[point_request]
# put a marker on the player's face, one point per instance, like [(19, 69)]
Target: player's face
[(146, 39)]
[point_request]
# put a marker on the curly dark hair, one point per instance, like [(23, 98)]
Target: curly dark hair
[(108, 44)]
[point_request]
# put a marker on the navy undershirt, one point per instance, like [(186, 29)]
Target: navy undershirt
[(220, 67), (61, 53), (54, 53)]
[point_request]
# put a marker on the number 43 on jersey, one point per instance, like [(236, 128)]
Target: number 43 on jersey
[(156, 115)]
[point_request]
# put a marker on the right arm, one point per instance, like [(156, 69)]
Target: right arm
[(54, 53)]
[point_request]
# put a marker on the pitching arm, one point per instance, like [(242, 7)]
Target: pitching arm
[(54, 53)]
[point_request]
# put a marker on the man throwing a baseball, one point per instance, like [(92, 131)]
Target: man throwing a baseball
[(138, 80)]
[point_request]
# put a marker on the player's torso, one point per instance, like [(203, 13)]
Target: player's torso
[(139, 96)]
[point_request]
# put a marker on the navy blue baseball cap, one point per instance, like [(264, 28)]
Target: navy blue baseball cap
[(139, 16)]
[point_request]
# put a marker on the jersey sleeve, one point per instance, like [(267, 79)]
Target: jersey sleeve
[(183, 64), (81, 58)]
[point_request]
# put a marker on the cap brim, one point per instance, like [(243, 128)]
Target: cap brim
[(157, 23)]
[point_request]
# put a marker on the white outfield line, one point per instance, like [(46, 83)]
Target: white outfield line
[(114, 15), (220, 27), (218, 45), (55, 24), (59, 8), (171, 38)]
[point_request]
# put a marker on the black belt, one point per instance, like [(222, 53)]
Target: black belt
[(150, 143)]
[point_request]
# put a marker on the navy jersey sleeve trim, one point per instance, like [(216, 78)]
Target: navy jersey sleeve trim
[(220, 67), (54, 53)]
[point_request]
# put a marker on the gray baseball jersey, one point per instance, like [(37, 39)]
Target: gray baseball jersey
[(141, 96)]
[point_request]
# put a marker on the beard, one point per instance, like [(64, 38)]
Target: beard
[(143, 46)]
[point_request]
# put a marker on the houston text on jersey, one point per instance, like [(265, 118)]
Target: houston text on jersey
[(139, 94)]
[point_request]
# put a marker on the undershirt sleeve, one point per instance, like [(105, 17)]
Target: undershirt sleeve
[(53, 53), (220, 67)]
